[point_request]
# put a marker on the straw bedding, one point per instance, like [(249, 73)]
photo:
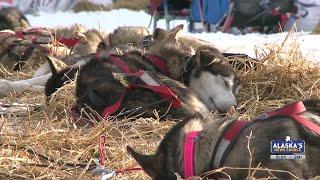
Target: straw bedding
[(47, 144)]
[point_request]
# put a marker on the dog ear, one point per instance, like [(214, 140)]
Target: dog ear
[(56, 65), (174, 33), (147, 162), (159, 34), (81, 36), (205, 58)]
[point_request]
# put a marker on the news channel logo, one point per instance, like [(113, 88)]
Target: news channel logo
[(287, 149)]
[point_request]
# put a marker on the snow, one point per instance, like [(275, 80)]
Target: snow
[(108, 21)]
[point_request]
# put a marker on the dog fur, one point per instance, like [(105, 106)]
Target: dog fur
[(14, 59), (220, 95), (128, 35), (162, 38), (160, 35), (88, 43), (168, 158), (12, 18), (96, 76), (208, 74), (214, 68)]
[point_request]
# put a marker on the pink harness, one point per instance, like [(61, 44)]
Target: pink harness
[(188, 154), (230, 135)]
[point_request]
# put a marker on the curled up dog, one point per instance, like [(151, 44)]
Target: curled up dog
[(222, 142)]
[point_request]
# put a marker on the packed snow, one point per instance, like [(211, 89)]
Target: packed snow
[(108, 21)]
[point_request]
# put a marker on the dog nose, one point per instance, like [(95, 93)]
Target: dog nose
[(225, 109), (224, 105)]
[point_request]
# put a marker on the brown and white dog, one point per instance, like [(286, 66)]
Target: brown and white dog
[(300, 121), (29, 46), (16, 53)]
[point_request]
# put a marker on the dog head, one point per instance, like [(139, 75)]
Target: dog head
[(212, 78), (167, 161), (88, 41), (153, 165), (133, 35), (61, 73), (161, 38), (207, 73)]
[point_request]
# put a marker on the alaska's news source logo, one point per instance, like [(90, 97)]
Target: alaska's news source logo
[(287, 149)]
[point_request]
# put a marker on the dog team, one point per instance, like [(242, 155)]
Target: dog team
[(134, 72)]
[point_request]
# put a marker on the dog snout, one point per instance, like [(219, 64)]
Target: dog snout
[(225, 107), (223, 104)]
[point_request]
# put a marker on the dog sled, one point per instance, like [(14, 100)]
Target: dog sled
[(266, 16)]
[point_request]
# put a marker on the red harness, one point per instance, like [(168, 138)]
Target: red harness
[(69, 42), (21, 33), (150, 83), (230, 135), (158, 62)]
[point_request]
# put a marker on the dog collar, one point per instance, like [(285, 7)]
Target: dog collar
[(188, 154)]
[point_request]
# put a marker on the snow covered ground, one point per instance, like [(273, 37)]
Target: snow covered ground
[(108, 21)]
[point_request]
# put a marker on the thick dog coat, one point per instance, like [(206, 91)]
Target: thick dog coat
[(169, 157)]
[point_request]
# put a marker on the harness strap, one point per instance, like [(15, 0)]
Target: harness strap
[(294, 108), (7, 33), (69, 42), (158, 63), (20, 33), (307, 123), (115, 60), (113, 108), (231, 133), (163, 91), (102, 144), (226, 142), (188, 154), (150, 82)]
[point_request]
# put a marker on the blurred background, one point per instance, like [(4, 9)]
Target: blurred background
[(230, 16)]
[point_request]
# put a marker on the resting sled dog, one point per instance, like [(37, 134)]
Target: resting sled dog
[(217, 142)]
